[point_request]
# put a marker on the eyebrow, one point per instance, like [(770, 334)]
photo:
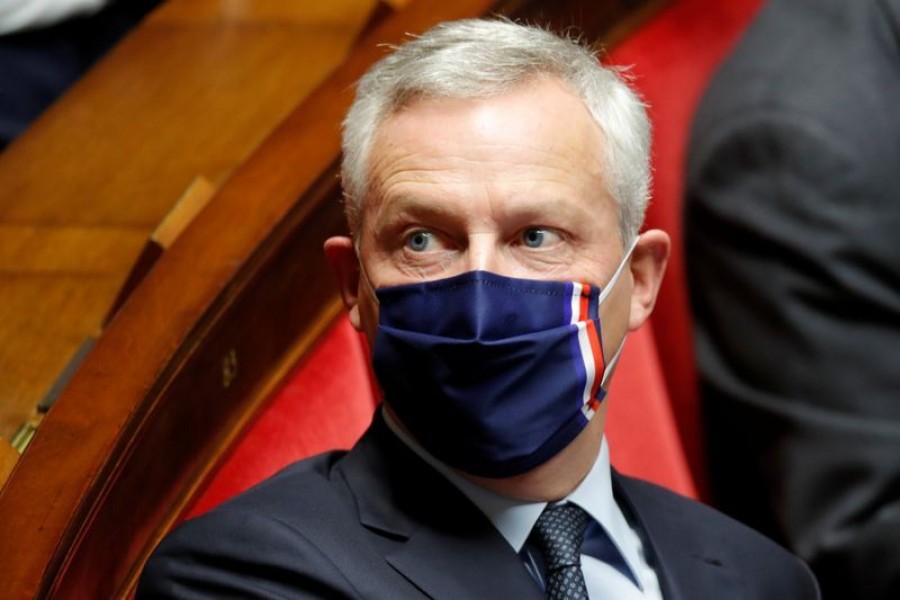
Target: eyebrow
[(524, 205), (416, 206), (540, 208)]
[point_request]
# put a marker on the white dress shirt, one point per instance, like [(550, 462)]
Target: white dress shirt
[(19, 15), (628, 576)]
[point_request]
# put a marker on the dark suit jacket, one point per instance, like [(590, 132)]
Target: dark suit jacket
[(378, 522), (793, 253)]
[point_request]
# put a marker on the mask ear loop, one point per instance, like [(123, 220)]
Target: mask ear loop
[(619, 270), (610, 366), (604, 382)]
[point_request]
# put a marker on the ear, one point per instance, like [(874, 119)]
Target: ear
[(341, 255), (648, 264)]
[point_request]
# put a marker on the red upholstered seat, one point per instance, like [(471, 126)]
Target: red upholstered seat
[(654, 424), (673, 57), (640, 426), (326, 404)]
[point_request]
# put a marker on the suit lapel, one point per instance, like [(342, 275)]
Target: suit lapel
[(479, 564), (686, 564), (429, 531), (433, 536)]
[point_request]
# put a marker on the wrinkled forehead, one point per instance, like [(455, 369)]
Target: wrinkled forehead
[(531, 157), (540, 128)]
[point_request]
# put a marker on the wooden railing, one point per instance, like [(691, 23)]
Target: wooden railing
[(231, 306)]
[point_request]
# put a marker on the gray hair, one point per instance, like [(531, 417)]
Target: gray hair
[(477, 58)]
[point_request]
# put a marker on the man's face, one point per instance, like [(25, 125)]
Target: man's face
[(512, 184)]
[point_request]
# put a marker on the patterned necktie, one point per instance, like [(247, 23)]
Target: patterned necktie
[(558, 534)]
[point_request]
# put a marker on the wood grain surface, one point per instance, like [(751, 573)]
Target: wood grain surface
[(191, 92)]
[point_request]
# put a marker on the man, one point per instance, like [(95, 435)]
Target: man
[(496, 177), (793, 212)]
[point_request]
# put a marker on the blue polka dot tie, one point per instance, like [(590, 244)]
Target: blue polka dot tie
[(558, 534)]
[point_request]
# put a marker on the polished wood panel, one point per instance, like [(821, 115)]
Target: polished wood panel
[(212, 330), (8, 458), (192, 92)]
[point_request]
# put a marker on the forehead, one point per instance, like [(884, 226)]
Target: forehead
[(542, 110), (537, 134)]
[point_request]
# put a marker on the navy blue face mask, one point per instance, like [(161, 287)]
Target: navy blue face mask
[(492, 375)]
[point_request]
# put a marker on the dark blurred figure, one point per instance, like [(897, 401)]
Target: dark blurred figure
[(47, 46), (793, 247)]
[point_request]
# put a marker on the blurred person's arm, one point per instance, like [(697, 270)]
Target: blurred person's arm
[(793, 247)]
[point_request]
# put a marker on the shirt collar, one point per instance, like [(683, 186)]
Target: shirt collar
[(514, 519)]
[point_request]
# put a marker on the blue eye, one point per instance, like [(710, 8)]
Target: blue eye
[(534, 237), (418, 241)]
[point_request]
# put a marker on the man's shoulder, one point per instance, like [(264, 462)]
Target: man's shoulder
[(283, 502), (288, 496), (658, 505), (677, 525), (292, 525)]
